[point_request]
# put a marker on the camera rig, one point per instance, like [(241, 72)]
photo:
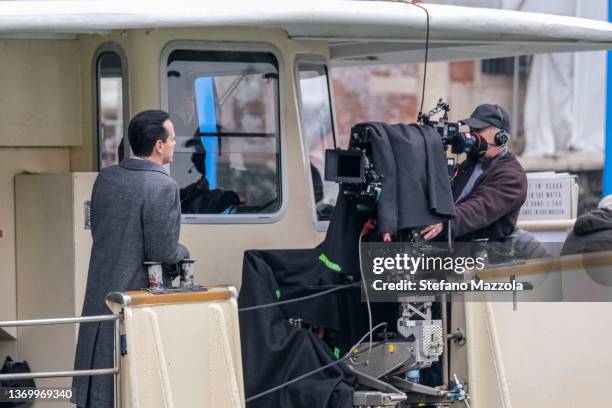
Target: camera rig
[(389, 370), (355, 169), (460, 142)]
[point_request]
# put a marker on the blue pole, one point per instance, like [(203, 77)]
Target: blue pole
[(205, 95), (607, 175)]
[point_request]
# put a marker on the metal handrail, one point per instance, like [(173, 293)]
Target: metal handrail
[(114, 371), (59, 320), (54, 374)]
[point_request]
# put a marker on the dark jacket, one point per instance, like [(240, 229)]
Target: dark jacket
[(135, 217), (491, 209), (592, 233), (198, 198)]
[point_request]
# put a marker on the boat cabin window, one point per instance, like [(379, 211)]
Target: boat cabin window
[(109, 91), (317, 133), (225, 109)]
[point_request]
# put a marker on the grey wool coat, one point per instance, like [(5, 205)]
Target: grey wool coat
[(135, 217)]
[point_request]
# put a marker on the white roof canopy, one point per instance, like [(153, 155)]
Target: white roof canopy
[(357, 31)]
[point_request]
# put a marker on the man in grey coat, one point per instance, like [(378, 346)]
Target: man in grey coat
[(135, 217)]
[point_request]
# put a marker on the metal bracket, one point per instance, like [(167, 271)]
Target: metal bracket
[(410, 386), (458, 337), (374, 383), (377, 399)]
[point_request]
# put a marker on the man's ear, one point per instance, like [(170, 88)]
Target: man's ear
[(159, 146)]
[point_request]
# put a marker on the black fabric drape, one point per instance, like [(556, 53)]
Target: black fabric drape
[(416, 188), (273, 350)]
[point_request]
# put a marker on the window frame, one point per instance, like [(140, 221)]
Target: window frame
[(197, 45), (125, 99), (314, 59)]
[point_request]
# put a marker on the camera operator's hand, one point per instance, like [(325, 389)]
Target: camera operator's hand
[(431, 231)]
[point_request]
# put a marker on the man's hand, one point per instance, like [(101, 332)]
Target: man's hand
[(431, 231)]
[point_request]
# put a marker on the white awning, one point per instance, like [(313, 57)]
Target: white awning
[(357, 31)]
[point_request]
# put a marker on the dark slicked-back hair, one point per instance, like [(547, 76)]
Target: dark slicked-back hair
[(145, 129)]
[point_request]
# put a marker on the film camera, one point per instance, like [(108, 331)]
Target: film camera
[(460, 142), (354, 167)]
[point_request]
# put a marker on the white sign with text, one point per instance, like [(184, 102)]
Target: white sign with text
[(550, 196)]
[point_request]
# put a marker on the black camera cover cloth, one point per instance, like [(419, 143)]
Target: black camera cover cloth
[(416, 189), (274, 350)]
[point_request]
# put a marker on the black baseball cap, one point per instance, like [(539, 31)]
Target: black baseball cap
[(196, 142), (487, 115)]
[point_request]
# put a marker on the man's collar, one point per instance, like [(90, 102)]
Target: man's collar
[(142, 164)]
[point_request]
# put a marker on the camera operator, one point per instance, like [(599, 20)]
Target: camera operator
[(490, 186)]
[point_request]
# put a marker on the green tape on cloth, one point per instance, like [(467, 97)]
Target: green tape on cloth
[(333, 266)]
